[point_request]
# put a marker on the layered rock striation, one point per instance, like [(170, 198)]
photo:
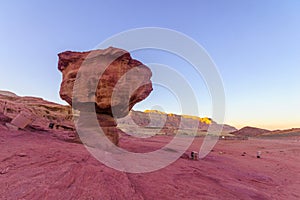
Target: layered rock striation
[(108, 82), (169, 123), (41, 111)]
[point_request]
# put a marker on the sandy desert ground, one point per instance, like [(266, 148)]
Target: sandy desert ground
[(40, 165)]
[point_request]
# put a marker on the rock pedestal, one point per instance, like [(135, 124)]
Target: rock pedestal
[(103, 123), (108, 82)]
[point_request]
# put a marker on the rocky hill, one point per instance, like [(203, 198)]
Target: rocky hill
[(287, 132), (44, 112), (41, 111), (169, 123), (250, 131)]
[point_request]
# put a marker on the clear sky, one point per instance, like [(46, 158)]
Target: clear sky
[(255, 45)]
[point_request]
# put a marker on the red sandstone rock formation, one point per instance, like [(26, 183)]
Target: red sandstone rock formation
[(35, 165), (108, 81), (103, 72), (44, 112)]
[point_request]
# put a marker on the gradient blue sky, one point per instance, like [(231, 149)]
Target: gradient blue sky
[(255, 45)]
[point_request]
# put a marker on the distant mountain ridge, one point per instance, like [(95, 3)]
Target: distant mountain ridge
[(250, 131), (170, 123), (45, 112)]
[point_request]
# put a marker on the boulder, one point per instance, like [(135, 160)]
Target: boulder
[(23, 119), (108, 78)]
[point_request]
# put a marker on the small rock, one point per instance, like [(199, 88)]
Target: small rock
[(11, 127), (185, 156), (22, 154), (4, 171)]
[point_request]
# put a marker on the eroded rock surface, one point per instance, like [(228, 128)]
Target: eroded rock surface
[(43, 112), (61, 116), (110, 78), (170, 124), (107, 81), (36, 166)]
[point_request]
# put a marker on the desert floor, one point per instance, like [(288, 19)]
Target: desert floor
[(37, 165)]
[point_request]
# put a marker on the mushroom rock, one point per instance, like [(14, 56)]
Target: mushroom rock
[(108, 82)]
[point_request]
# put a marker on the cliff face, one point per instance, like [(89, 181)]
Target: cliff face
[(169, 123)]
